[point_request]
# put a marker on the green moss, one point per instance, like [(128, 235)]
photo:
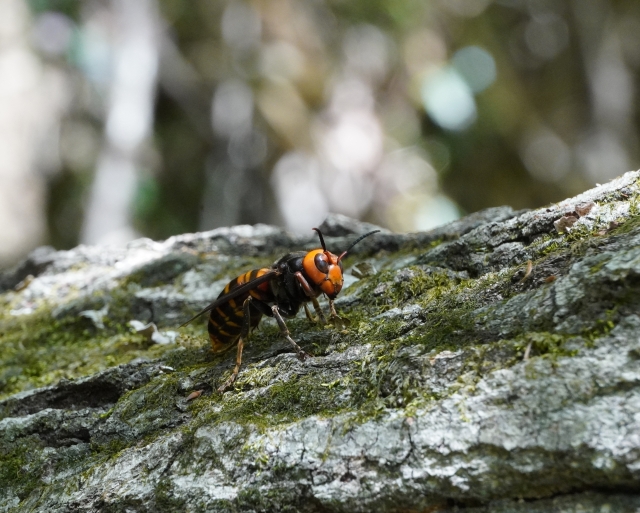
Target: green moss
[(21, 463), (446, 329), (415, 248), (144, 406), (628, 224), (580, 232), (37, 350), (191, 356), (165, 499), (544, 344), (253, 498), (394, 288), (601, 328), (634, 205), (597, 267), (110, 449), (547, 245), (284, 402)]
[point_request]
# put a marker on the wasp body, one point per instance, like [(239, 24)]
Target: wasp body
[(277, 291)]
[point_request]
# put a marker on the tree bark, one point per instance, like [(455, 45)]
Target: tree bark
[(489, 365)]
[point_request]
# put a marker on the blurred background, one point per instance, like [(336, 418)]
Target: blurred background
[(121, 119)]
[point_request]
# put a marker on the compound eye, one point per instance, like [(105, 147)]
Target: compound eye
[(321, 263)]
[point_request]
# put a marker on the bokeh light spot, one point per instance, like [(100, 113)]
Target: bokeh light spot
[(477, 66), (366, 50), (546, 156), (295, 180), (449, 100), (241, 25), (435, 211), (93, 54), (546, 35), (52, 32), (232, 108)]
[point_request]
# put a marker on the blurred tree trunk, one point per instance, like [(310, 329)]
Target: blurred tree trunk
[(129, 121), (27, 103)]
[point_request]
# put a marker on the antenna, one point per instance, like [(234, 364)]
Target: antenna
[(321, 238), (355, 242)]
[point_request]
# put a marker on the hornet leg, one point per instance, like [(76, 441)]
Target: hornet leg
[(320, 318), (308, 313), (316, 306), (304, 284), (336, 320), (284, 331), (244, 334), (312, 296)]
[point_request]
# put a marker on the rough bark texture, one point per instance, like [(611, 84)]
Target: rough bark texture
[(468, 379)]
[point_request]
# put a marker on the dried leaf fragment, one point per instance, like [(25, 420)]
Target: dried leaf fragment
[(565, 223), (584, 208), (527, 351), (24, 283), (363, 269), (96, 316), (152, 333), (194, 395)]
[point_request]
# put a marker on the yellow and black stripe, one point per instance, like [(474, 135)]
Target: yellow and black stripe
[(225, 321)]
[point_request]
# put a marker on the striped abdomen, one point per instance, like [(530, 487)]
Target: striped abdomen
[(225, 322)]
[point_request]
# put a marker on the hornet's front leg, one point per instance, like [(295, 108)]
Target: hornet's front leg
[(336, 320), (312, 296), (320, 315), (284, 331)]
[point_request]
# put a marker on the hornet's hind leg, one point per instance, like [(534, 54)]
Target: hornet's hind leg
[(244, 334), (284, 331)]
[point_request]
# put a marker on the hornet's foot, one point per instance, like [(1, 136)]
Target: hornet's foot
[(303, 355), (319, 319), (227, 384), (336, 320)]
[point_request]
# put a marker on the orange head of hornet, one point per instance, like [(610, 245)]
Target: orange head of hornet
[(325, 269)]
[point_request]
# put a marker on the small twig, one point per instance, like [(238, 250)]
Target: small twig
[(527, 273), (527, 351)]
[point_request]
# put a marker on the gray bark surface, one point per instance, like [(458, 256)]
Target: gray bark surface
[(491, 365)]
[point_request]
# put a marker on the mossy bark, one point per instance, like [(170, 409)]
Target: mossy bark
[(489, 365)]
